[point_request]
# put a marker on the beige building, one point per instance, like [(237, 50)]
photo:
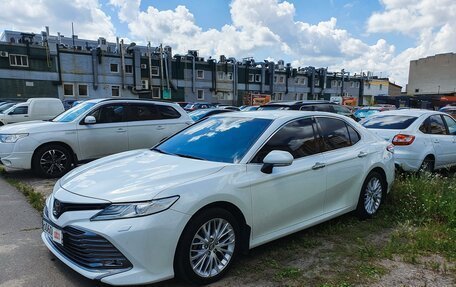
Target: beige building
[(434, 75)]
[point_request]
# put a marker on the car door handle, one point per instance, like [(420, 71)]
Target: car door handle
[(436, 140), (120, 130), (318, 165), (362, 154), (160, 127)]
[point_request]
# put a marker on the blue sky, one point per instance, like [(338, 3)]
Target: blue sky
[(380, 36)]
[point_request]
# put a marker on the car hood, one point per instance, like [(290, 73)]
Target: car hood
[(137, 175), (34, 127), (387, 135)]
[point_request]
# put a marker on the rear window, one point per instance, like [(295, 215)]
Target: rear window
[(389, 122)]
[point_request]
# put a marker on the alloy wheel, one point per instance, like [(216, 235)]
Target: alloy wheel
[(212, 247), (53, 162), (373, 195)]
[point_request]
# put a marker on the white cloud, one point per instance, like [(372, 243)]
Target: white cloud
[(87, 15)]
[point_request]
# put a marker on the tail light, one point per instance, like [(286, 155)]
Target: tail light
[(402, 139), (390, 148)]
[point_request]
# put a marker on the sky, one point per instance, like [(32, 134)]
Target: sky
[(380, 36)]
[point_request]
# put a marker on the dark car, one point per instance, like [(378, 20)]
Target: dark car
[(204, 113), (451, 110), (319, 106), (197, 106)]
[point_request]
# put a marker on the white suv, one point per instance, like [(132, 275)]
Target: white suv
[(423, 139), (93, 129)]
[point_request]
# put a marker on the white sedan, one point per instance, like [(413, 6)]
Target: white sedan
[(224, 185), (423, 139)]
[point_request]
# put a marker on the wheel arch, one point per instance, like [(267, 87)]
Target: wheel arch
[(67, 146)]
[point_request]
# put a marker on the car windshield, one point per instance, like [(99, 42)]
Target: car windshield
[(364, 113), (220, 139), (389, 122), (71, 114), (4, 107), (188, 106), (198, 114)]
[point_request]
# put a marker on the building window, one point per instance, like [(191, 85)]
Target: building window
[(155, 71), (200, 94), (220, 75), (381, 87), (114, 68), (281, 79), (278, 97), (368, 86), (275, 79), (145, 84), (257, 78), (115, 91), (229, 76), (352, 84), (200, 74), (317, 82), (417, 90), (357, 84), (83, 90), (156, 92), (302, 81), (251, 78), (18, 60), (68, 90), (340, 83), (129, 69)]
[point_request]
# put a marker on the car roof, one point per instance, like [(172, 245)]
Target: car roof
[(96, 101), (308, 102), (278, 114), (409, 112)]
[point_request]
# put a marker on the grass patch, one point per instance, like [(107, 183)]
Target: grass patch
[(35, 199)]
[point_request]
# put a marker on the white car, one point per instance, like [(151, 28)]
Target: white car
[(93, 129), (31, 110), (423, 139), (223, 185)]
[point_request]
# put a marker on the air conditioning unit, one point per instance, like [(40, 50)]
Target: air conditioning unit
[(143, 66), (3, 54)]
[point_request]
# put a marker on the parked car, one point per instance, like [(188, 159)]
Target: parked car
[(196, 106), (92, 129), (322, 106), (249, 108), (423, 139), (184, 104), (198, 115), (32, 109), (231, 182), (232, 108), (451, 110)]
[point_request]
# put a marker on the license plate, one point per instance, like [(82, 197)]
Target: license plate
[(54, 233)]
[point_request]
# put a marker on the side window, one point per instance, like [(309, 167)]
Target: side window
[(23, 110), (109, 114), (436, 125), (334, 133), (323, 108), (306, 108), (143, 112), (424, 128), (341, 110), (451, 124), (168, 112), (354, 135), (297, 138)]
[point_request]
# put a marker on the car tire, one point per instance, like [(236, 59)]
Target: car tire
[(208, 246), (372, 195), (427, 165), (51, 161)]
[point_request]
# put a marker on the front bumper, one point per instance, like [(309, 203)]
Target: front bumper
[(19, 160), (148, 242)]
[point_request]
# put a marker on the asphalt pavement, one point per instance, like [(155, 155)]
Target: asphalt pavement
[(24, 259)]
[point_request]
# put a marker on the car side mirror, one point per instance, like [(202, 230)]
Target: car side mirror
[(90, 120), (276, 158)]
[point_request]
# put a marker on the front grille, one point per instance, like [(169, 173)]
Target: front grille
[(90, 250), (59, 207)]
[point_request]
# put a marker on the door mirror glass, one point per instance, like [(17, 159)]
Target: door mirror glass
[(276, 158), (90, 120)]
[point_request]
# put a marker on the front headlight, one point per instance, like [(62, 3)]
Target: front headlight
[(12, 138), (135, 209)]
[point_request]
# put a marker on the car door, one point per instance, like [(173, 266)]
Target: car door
[(451, 126), (441, 140), (149, 123), (19, 114), (289, 195), (345, 162), (107, 136)]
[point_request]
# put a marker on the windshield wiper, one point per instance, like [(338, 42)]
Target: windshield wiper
[(188, 156), (160, 151)]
